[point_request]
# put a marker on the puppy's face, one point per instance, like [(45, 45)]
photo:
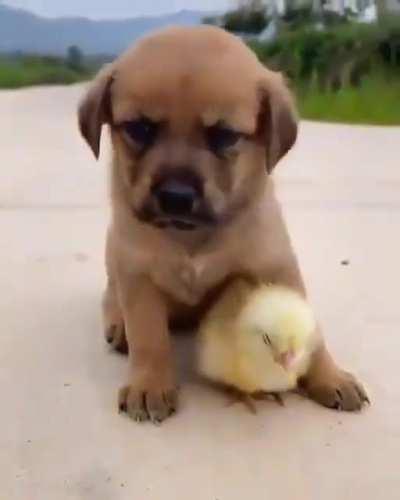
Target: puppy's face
[(196, 123)]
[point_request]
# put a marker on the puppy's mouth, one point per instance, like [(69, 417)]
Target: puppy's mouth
[(199, 220)]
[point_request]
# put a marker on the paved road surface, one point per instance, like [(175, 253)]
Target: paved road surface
[(61, 437)]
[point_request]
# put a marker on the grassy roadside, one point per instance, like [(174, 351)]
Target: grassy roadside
[(375, 102), (34, 70)]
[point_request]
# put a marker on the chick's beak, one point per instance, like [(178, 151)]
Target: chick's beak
[(287, 359)]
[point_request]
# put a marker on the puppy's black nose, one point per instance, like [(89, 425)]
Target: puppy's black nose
[(176, 197)]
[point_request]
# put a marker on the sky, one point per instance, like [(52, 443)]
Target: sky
[(108, 9)]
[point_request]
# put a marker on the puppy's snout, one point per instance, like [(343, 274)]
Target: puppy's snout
[(177, 195)]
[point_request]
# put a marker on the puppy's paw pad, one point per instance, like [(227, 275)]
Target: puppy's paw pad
[(143, 405)]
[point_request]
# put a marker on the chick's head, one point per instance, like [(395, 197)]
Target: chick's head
[(283, 320)]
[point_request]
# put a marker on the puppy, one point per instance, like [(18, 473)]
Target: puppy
[(197, 126)]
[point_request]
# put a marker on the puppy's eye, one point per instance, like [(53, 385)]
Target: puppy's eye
[(143, 131), (220, 137)]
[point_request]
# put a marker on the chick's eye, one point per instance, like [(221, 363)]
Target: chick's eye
[(267, 340), (143, 131), (220, 137)]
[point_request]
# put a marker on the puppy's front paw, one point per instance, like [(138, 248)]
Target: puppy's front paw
[(143, 402), (341, 391)]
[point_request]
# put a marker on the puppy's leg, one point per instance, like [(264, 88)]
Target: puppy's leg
[(330, 386), (114, 329), (151, 393)]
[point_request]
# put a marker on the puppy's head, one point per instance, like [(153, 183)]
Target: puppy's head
[(196, 124)]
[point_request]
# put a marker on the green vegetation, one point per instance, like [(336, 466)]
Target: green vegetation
[(249, 17), (245, 21), (75, 58), (348, 72), (375, 102), (335, 57), (23, 70)]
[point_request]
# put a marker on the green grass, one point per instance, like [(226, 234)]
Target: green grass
[(28, 71), (376, 102)]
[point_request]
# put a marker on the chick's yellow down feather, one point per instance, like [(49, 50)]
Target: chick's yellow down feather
[(257, 338)]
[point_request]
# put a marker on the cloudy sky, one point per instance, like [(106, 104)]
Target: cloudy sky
[(106, 9)]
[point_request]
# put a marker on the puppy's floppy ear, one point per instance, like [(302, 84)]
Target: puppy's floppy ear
[(94, 109), (277, 120)]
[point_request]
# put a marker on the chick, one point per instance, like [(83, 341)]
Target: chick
[(257, 338)]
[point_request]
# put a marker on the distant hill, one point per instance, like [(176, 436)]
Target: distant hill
[(23, 31)]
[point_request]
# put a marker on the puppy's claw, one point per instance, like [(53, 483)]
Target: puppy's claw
[(116, 338), (122, 398)]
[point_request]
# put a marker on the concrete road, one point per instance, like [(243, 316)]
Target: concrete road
[(61, 436)]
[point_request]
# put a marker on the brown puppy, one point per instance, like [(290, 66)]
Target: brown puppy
[(197, 125)]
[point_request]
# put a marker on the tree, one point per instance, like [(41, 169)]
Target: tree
[(75, 58), (381, 9), (252, 5)]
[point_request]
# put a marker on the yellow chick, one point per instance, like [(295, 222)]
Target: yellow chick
[(257, 338)]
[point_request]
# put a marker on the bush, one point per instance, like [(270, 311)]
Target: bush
[(333, 57), (389, 44), (213, 20), (245, 21), (74, 58), (21, 71), (298, 18), (349, 73)]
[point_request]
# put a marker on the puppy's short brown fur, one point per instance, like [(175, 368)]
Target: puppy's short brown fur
[(193, 105)]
